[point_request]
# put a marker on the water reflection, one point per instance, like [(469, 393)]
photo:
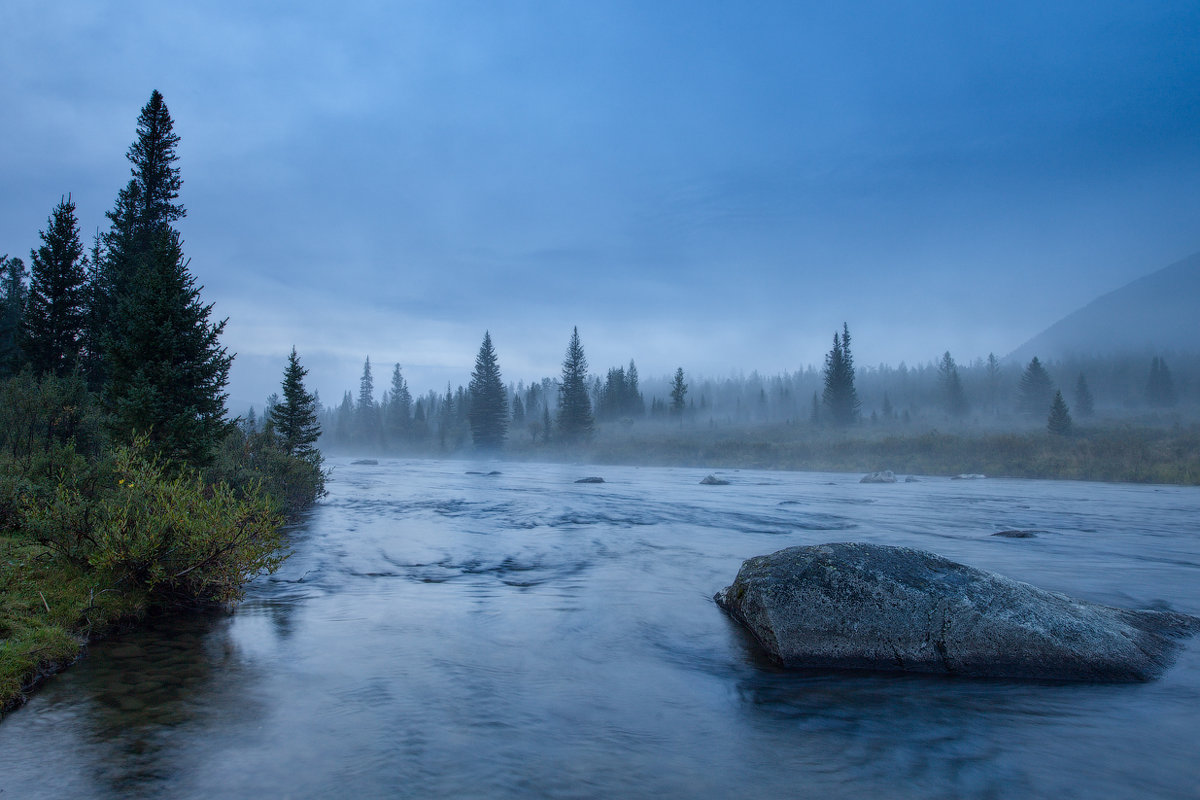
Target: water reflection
[(515, 635)]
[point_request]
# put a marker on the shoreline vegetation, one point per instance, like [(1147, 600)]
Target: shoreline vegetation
[(1116, 454), (126, 488)]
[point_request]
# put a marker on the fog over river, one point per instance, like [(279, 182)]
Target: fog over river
[(443, 633)]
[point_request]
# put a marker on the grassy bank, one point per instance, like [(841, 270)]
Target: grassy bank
[(48, 611), (94, 534), (1133, 454)]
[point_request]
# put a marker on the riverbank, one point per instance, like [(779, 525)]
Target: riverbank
[(49, 611), (1121, 455), (1112, 453), (95, 547)]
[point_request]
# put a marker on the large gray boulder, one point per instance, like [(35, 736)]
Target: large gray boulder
[(870, 606)]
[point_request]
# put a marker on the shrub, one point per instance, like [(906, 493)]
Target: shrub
[(166, 534)]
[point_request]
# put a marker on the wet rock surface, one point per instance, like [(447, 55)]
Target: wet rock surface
[(878, 607)]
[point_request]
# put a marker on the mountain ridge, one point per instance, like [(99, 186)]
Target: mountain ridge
[(1157, 313)]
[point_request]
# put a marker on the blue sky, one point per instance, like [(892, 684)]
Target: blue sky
[(710, 185)]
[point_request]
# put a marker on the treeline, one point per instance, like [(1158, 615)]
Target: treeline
[(986, 393), (124, 484)]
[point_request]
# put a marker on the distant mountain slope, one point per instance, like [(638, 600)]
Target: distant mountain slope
[(1158, 313)]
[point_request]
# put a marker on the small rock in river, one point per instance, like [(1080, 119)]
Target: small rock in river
[(713, 480), (883, 476), (592, 479)]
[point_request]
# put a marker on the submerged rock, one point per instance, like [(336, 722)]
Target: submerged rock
[(911, 479), (969, 476), (592, 479), (1016, 534), (713, 480), (884, 476), (876, 607), (365, 462)]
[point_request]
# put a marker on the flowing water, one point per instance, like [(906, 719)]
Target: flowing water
[(439, 631)]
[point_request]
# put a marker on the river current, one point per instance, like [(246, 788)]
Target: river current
[(444, 632)]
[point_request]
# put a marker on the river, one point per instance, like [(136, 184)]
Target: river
[(441, 631)]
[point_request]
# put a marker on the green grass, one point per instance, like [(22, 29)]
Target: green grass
[(1134, 454), (48, 611)]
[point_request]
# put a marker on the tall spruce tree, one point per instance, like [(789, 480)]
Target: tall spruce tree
[(840, 398), (295, 416), (574, 404), (1036, 391), (55, 313), (488, 414), (13, 293), (162, 367), (144, 208)]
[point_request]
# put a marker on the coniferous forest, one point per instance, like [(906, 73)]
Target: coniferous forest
[(125, 485), (1107, 418)]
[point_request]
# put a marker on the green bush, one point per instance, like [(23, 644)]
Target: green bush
[(257, 459), (167, 534)]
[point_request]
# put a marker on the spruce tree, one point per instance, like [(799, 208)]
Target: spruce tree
[(840, 397), (574, 404), (144, 209), (1059, 421), (166, 367), (397, 414), (993, 381), (1084, 404), (1160, 387), (635, 405), (12, 308), (55, 312), (295, 416), (678, 393), (954, 398), (163, 368), (1035, 392), (488, 415)]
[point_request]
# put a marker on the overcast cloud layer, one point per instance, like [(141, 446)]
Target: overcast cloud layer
[(715, 185)]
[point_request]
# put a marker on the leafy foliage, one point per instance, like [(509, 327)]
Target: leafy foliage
[(168, 534)]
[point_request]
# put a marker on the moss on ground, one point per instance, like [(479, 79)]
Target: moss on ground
[(48, 611)]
